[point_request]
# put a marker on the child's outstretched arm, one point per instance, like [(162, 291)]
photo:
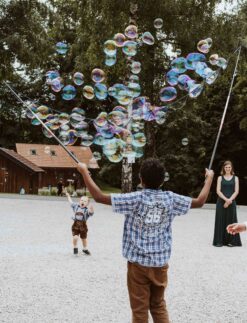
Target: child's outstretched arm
[(68, 196), (202, 197), (95, 191), (90, 209)]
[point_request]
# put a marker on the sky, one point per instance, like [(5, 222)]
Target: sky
[(227, 7)]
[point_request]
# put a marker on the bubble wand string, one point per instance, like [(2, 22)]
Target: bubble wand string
[(225, 109), (43, 124)]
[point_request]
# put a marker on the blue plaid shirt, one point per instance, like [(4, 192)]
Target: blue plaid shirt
[(147, 234)]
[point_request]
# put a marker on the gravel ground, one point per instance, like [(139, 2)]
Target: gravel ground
[(41, 281)]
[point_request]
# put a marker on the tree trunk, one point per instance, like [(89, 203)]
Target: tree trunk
[(126, 166), (126, 176)]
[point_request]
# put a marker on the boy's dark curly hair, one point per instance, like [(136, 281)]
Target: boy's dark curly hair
[(152, 173)]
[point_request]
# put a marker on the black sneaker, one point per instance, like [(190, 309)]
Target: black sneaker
[(75, 251), (87, 252)]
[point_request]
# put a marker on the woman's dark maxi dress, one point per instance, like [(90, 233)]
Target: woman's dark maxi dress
[(225, 216)]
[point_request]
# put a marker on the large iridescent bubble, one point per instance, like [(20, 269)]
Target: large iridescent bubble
[(168, 94), (78, 78), (98, 75), (110, 60), (172, 77), (88, 92), (110, 48), (130, 48), (100, 91), (119, 39), (68, 92), (203, 46), (131, 31), (57, 84), (148, 38)]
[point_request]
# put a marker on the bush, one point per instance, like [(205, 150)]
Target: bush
[(80, 192), (44, 192), (70, 189), (53, 191)]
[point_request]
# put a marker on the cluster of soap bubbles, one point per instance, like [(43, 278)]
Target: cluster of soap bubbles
[(120, 133), (182, 68)]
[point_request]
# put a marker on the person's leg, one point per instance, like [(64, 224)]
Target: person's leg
[(158, 277), (75, 234), (139, 292), (75, 241), (83, 235), (84, 243)]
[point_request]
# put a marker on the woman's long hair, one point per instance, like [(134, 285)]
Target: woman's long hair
[(227, 162)]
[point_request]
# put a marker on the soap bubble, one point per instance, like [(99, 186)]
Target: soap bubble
[(203, 46), (62, 48), (78, 78), (185, 141), (168, 94), (119, 39), (110, 48), (88, 92), (98, 75), (97, 155), (68, 92), (148, 38), (130, 48), (131, 31), (110, 60), (158, 23), (100, 91)]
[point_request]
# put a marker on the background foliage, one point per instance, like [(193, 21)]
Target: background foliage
[(30, 29)]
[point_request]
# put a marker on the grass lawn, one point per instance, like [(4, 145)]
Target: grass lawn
[(106, 188)]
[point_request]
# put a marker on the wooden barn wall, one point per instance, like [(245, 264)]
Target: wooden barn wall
[(13, 177)]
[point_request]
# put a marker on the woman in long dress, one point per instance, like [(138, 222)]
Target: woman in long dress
[(226, 212)]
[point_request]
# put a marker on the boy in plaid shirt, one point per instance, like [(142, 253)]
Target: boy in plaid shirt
[(147, 235)]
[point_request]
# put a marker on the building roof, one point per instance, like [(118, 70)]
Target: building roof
[(20, 160), (54, 156)]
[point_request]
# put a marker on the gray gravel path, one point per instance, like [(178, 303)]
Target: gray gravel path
[(41, 281)]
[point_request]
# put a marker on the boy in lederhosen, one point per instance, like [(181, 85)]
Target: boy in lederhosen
[(82, 211)]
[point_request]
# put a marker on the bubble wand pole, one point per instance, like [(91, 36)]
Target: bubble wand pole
[(224, 113), (43, 124)]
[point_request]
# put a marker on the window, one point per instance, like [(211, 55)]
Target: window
[(33, 152), (53, 153)]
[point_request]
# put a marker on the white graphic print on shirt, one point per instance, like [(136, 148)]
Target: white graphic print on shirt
[(152, 219)]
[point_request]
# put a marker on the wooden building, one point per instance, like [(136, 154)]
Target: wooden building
[(16, 172), (34, 166)]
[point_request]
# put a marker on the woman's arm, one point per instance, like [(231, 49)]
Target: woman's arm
[(218, 190), (235, 194)]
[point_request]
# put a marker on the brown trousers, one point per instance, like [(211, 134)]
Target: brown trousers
[(146, 287)]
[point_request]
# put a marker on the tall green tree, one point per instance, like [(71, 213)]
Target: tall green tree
[(30, 29)]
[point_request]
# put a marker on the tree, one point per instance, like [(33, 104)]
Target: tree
[(85, 26)]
